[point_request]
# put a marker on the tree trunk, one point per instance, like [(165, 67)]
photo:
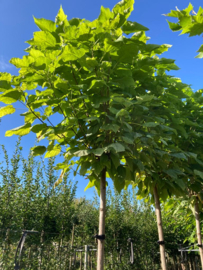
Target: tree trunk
[(174, 262), (199, 238), (160, 229), (72, 243), (102, 210)]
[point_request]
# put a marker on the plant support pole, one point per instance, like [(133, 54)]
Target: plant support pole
[(86, 257), (160, 230), (102, 210), (199, 238)]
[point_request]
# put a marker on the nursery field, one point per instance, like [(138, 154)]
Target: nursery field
[(46, 228)]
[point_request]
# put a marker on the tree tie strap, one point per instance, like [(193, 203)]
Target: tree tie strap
[(100, 237), (161, 242), (199, 245)]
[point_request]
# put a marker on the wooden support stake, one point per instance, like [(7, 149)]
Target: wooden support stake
[(198, 228), (102, 210), (86, 257), (72, 242), (160, 229)]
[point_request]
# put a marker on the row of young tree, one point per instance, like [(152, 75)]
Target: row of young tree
[(117, 109), (29, 202)]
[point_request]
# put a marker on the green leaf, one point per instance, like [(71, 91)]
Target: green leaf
[(200, 55), (145, 98), (122, 113), (53, 150), (35, 53), (196, 29), (179, 155), (128, 140), (189, 9), (45, 25), (105, 161), (119, 180), (97, 167), (200, 49), (198, 173), (44, 39), (10, 96), (90, 185), (128, 126), (115, 159), (150, 124), (112, 127), (128, 52), (20, 63), (84, 167), (174, 26), (21, 131), (173, 173), (82, 153), (5, 81), (61, 17), (30, 117), (38, 150), (161, 49), (105, 14), (71, 53), (48, 111), (98, 151), (124, 7), (180, 183), (39, 127), (95, 84), (6, 110), (61, 166), (132, 27), (123, 101), (139, 165), (117, 147), (71, 33), (91, 62), (173, 13)]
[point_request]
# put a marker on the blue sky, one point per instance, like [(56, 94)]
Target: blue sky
[(17, 26)]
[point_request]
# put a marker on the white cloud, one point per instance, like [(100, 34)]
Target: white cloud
[(4, 65)]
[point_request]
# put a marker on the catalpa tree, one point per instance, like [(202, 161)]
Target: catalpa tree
[(191, 22), (85, 71), (160, 130)]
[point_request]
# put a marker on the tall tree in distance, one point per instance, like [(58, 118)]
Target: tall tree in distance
[(191, 22)]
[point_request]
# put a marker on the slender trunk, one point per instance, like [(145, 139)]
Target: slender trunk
[(160, 230), (174, 262), (190, 264), (199, 238), (102, 210), (72, 242), (80, 260)]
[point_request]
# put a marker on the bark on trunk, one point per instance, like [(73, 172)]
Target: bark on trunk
[(102, 210), (160, 229), (72, 242), (199, 238)]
